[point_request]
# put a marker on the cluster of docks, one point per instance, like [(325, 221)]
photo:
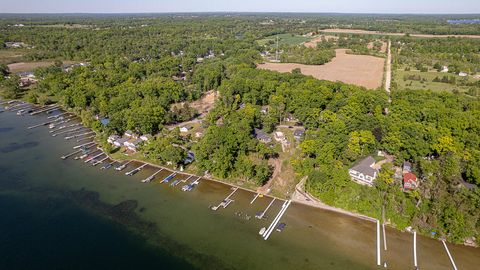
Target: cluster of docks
[(67, 125)]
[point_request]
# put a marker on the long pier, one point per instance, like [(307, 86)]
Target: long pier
[(266, 209), (225, 201), (66, 131), (168, 178), (100, 161), (449, 255), (57, 115), (85, 144), (415, 263), (378, 244), (151, 177), (254, 198), (94, 157), (134, 171), (384, 237), (69, 155), (44, 110), (276, 220), (39, 125), (86, 138), (79, 135)]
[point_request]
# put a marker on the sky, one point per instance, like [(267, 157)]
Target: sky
[(158, 6)]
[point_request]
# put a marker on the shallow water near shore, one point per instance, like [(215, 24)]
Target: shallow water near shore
[(121, 220)]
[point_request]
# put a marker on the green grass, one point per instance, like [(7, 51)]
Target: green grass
[(8, 56), (284, 39), (398, 76)]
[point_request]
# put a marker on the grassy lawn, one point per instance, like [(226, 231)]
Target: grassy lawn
[(398, 76), (284, 39)]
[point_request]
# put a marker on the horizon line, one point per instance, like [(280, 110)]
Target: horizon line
[(236, 12)]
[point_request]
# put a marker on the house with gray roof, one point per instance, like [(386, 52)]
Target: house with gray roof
[(262, 136), (364, 173)]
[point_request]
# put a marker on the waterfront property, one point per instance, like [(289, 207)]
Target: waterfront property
[(364, 172)]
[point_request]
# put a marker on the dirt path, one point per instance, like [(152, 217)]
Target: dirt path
[(388, 74)]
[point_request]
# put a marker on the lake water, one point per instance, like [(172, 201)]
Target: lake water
[(65, 214)]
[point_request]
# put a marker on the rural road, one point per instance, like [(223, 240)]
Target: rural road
[(388, 75)]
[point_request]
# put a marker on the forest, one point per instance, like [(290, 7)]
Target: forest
[(131, 76)]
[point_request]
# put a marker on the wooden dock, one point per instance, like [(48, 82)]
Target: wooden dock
[(266, 209), (85, 144), (66, 131), (136, 170), (151, 177), (79, 135), (86, 138), (94, 157), (45, 109), (121, 167), (168, 178), (71, 154), (99, 161), (227, 201)]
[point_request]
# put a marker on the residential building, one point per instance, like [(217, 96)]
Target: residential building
[(364, 172), (262, 136), (146, 137), (279, 136), (407, 167), (112, 138), (130, 134), (133, 144), (410, 181), (120, 142)]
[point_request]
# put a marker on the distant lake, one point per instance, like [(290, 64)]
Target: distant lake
[(464, 21)]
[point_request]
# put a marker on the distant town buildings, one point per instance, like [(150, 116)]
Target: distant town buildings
[(364, 172)]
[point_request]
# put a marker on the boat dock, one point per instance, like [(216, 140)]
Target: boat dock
[(449, 255), (254, 198), (100, 161), (94, 157), (121, 167), (190, 186), (272, 226), (415, 263), (168, 178), (151, 177), (57, 115), (85, 144), (176, 182), (78, 135), (378, 244), (67, 131), (134, 171), (225, 201), (45, 109), (39, 125), (71, 154), (262, 214), (86, 138)]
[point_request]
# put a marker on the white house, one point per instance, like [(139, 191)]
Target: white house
[(112, 138), (146, 137), (444, 69), (185, 128), (120, 142), (364, 173), (279, 136), (462, 74)]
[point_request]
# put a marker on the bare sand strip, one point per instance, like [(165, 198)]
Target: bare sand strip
[(366, 32), (362, 70)]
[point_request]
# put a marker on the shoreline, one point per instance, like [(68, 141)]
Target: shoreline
[(308, 201)]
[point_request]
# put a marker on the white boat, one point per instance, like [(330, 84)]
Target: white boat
[(262, 230), (52, 125)]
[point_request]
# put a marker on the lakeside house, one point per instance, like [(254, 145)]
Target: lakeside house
[(133, 144), (190, 158), (130, 134), (462, 74), (113, 138), (364, 172), (410, 181), (120, 142), (262, 136)]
